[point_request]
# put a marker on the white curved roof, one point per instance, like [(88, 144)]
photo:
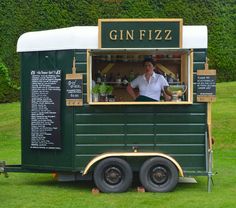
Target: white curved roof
[(86, 37)]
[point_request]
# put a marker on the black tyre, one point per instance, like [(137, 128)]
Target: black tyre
[(158, 174), (113, 175)]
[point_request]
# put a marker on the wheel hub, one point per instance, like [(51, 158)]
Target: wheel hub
[(113, 175), (159, 175)]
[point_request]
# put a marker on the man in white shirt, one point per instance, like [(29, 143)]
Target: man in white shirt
[(150, 84)]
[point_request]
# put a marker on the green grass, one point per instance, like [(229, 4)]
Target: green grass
[(39, 190)]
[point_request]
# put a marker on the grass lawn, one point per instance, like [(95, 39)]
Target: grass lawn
[(39, 190)]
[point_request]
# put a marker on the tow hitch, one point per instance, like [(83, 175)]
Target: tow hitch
[(2, 169)]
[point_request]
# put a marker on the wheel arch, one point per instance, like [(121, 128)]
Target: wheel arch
[(132, 154)]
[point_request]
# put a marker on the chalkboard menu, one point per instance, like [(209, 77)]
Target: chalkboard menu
[(74, 89), (45, 109), (206, 85)]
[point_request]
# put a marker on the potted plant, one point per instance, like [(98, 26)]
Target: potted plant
[(103, 89), (109, 89), (96, 91)]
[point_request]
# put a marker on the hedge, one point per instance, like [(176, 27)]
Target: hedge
[(18, 17)]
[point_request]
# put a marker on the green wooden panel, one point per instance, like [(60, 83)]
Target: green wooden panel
[(93, 118), (141, 147), (84, 78), (82, 160), (47, 60), (140, 129), (194, 77), (147, 127), (199, 56), (80, 56), (180, 139), (139, 139), (194, 87), (180, 149), (81, 67), (139, 118), (181, 128), (99, 139), (84, 89), (99, 149), (180, 118), (84, 98), (191, 162), (133, 109), (99, 129), (198, 66)]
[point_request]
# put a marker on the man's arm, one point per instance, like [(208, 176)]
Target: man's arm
[(131, 92), (167, 91)]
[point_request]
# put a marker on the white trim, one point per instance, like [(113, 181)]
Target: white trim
[(86, 37), (195, 37)]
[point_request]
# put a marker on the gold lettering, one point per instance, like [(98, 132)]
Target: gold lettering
[(121, 34), (141, 34), (167, 33), (158, 35), (130, 36), (113, 34), (149, 34)]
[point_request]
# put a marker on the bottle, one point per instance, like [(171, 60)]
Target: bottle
[(99, 77), (131, 76), (183, 88), (177, 77), (125, 81), (165, 76), (170, 79), (110, 78), (104, 78), (118, 79)]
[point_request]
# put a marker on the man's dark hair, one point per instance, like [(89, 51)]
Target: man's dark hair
[(149, 60)]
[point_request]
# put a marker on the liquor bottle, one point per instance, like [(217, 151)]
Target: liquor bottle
[(104, 78), (170, 79), (177, 77), (110, 78), (99, 77), (165, 76), (183, 89), (118, 79), (125, 81), (131, 76)]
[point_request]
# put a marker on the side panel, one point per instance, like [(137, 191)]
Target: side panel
[(179, 131), (40, 158), (87, 131)]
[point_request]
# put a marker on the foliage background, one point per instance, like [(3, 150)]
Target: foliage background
[(18, 17)]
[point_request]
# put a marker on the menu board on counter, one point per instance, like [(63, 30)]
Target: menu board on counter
[(206, 85), (45, 109)]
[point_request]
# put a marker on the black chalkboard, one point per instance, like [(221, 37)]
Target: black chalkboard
[(74, 89), (206, 85), (45, 109)]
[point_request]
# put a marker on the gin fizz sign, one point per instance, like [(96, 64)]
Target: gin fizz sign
[(140, 33)]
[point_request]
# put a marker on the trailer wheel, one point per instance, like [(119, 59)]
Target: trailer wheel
[(113, 175), (158, 174)]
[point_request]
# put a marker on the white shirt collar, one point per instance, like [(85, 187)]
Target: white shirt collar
[(152, 76)]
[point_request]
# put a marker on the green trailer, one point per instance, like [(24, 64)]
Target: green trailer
[(66, 131)]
